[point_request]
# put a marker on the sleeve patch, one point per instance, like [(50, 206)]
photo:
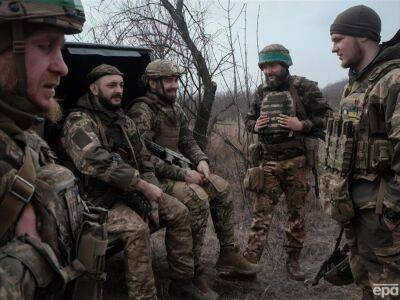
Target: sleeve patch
[(81, 138)]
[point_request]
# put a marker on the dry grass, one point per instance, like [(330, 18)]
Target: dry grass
[(272, 283)]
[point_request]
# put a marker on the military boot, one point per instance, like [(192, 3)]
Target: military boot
[(293, 267), (201, 283), (185, 289), (232, 263)]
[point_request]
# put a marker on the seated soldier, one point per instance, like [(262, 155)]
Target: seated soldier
[(161, 119), (106, 149)]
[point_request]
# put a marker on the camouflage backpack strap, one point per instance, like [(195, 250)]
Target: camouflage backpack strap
[(18, 194)]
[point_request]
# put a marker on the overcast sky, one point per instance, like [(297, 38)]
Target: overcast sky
[(301, 26)]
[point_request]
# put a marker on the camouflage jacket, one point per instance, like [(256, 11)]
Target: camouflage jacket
[(310, 95), (371, 99), (54, 188), (165, 124), (104, 155)]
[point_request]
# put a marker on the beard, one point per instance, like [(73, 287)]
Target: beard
[(106, 102), (278, 79), (54, 114), (167, 96)]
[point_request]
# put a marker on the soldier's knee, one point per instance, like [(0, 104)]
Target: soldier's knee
[(177, 210), (220, 185), (199, 198)]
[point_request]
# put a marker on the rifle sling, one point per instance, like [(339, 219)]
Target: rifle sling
[(298, 105), (18, 194)]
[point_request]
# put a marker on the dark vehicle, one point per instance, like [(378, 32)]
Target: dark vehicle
[(81, 58)]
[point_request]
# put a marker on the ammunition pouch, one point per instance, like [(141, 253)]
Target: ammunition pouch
[(335, 196), (255, 152), (254, 179), (91, 253)]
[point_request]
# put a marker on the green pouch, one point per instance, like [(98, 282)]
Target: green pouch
[(254, 179), (335, 197)]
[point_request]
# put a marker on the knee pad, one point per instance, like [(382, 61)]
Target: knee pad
[(220, 185)]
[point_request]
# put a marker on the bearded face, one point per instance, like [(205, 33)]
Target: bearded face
[(109, 90), (166, 88), (275, 74)]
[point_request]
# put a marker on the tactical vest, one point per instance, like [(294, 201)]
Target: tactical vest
[(356, 138), (168, 121), (279, 143), (71, 247), (273, 104)]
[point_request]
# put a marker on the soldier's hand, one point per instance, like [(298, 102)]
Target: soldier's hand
[(261, 122), (26, 223), (150, 191), (193, 176), (292, 123), (204, 169)]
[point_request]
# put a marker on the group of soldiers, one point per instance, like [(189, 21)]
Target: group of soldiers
[(55, 222)]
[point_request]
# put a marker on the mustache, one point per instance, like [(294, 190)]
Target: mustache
[(116, 95)]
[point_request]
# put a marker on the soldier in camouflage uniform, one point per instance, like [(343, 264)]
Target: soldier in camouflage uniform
[(362, 185), (41, 213), (162, 120), (286, 108), (105, 147)]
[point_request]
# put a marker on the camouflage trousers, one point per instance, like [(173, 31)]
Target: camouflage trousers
[(288, 177), (214, 195), (135, 235), (375, 251)]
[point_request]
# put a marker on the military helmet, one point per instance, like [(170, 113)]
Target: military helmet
[(274, 53), (66, 14), (160, 68), (338, 272)]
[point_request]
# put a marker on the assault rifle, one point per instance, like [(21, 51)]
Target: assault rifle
[(168, 155), (138, 202)]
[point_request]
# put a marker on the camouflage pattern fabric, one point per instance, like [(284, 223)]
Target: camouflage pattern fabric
[(198, 199), (125, 224), (288, 177), (310, 95), (153, 118), (115, 172), (375, 251)]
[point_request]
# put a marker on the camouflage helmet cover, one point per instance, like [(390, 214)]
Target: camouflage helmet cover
[(160, 68), (274, 53), (102, 70), (66, 14)]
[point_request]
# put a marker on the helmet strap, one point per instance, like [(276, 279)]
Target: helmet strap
[(19, 51)]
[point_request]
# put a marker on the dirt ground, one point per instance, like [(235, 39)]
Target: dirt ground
[(271, 283)]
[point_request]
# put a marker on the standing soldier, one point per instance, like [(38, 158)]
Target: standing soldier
[(105, 147), (42, 231), (286, 109), (162, 120), (362, 185)]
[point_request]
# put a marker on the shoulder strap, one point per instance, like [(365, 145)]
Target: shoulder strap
[(298, 105), (18, 195), (102, 131)]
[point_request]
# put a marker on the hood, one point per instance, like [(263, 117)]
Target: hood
[(17, 113), (149, 98), (388, 51)]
